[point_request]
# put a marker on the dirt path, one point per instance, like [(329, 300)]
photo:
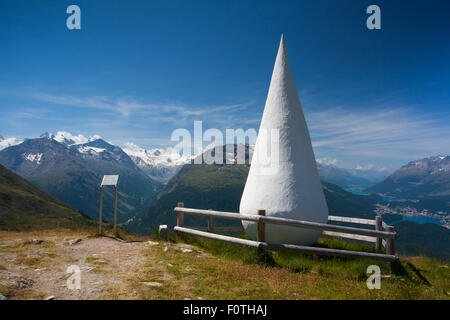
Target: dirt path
[(105, 264)]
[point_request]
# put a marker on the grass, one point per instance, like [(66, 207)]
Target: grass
[(217, 270), (29, 261), (90, 259), (237, 272)]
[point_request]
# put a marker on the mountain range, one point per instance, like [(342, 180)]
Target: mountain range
[(162, 164), (73, 172), (159, 164), (419, 179)]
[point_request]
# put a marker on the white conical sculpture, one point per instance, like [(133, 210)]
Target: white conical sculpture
[(289, 185)]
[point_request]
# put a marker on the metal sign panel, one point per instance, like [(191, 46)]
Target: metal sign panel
[(110, 180)]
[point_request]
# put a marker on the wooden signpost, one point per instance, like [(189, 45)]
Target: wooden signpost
[(108, 180)]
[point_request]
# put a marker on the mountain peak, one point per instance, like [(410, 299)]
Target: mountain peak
[(69, 139), (427, 177), (47, 135)]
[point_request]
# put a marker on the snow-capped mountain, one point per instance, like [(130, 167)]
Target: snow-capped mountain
[(428, 177), (69, 139), (160, 164), (8, 142), (72, 172)]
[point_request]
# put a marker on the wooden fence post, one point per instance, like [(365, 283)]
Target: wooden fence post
[(390, 245), (378, 227), (180, 216), (115, 211), (261, 230), (390, 249), (100, 212), (210, 223)]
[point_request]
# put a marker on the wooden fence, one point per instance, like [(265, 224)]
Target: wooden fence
[(382, 236)]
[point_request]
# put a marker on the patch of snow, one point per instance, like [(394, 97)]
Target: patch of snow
[(90, 150), (33, 157)]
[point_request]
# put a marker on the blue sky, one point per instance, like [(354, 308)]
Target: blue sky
[(137, 70)]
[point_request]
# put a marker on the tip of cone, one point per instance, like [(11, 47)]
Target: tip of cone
[(282, 44)]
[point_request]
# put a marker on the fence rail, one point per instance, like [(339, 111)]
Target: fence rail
[(378, 236)]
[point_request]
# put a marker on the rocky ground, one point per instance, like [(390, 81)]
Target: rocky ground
[(34, 266)]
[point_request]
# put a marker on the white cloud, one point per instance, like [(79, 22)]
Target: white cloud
[(129, 107), (389, 133), (365, 168), (369, 167), (327, 161), (385, 132)]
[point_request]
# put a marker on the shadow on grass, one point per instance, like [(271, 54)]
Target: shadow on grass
[(418, 274)]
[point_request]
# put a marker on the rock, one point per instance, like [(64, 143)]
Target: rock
[(24, 282), (166, 248), (163, 231), (2, 297), (186, 250), (152, 284), (17, 279), (50, 298), (153, 243), (170, 265), (87, 269), (116, 281), (75, 241), (90, 291)]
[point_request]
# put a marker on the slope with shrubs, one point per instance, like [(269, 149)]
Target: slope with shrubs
[(25, 207)]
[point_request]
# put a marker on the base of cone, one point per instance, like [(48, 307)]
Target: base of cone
[(283, 234)]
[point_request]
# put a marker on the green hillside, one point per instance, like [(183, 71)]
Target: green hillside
[(217, 187), (423, 239), (25, 207)]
